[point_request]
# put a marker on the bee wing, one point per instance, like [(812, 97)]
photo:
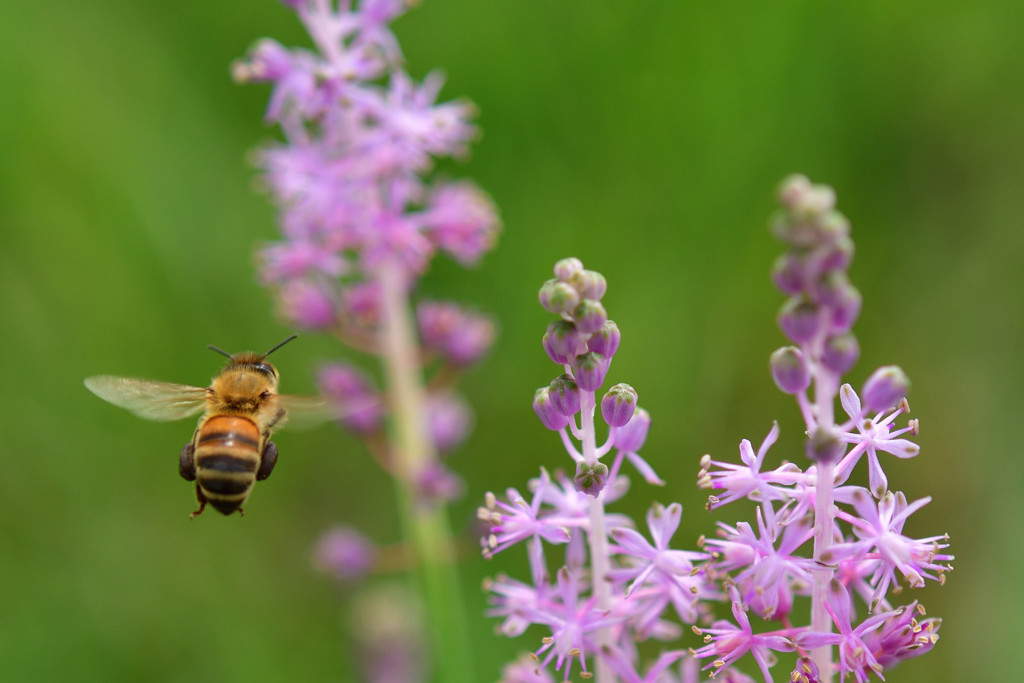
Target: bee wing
[(147, 398), (302, 412)]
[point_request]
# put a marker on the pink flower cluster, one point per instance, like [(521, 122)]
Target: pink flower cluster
[(816, 534), (350, 181), (615, 586), (817, 571)]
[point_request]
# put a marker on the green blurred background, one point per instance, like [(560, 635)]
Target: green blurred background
[(646, 138)]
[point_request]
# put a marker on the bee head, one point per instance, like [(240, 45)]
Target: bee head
[(254, 361)]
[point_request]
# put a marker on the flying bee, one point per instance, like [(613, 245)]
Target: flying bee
[(231, 448)]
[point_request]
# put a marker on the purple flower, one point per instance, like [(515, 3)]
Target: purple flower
[(571, 622), (902, 636), (727, 642), (872, 436), (767, 574), (657, 561), (358, 406), (345, 554), (525, 670), (461, 220), (308, 305), (461, 337), (855, 655), (516, 602), (878, 526), (449, 420), (435, 483), (517, 521), (746, 480)]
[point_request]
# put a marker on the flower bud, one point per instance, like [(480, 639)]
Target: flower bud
[(590, 478), (565, 268), (564, 395), (842, 298), (798, 319), (618, 405), (839, 255), (589, 283), (794, 231), (834, 225), (632, 436), (345, 554), (840, 353), (558, 297), (886, 387), (814, 206), (589, 370), (561, 340), (789, 370), (792, 189), (590, 316), (550, 417), (789, 272), (606, 340), (844, 313), (823, 446)]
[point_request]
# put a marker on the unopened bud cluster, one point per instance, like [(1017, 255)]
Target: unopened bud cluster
[(616, 585), (583, 341)]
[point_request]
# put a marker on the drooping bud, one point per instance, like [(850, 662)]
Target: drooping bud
[(632, 436), (564, 395), (618, 405), (840, 353), (549, 415), (565, 268), (842, 298), (590, 478), (834, 226), (886, 387), (839, 255), (606, 340), (798, 319), (561, 340), (589, 283), (589, 370), (846, 311), (590, 316), (558, 297), (789, 272), (789, 370), (823, 446)]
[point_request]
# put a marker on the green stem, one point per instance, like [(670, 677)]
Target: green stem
[(600, 564), (425, 525)]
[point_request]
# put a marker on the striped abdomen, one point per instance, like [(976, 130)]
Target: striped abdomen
[(227, 456)]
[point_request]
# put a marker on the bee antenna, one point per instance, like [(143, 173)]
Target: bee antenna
[(280, 345), (221, 351)]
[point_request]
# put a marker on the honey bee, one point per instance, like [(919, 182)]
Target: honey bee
[(231, 447)]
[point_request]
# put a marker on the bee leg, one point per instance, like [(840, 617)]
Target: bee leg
[(202, 503), (187, 463), (267, 461)]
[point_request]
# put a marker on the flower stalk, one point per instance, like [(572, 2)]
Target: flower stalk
[(426, 525), (360, 219)]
